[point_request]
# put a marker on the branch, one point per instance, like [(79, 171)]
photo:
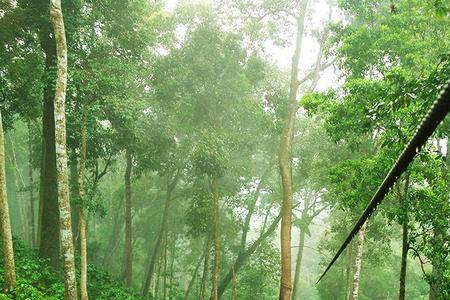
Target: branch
[(421, 261), (311, 73), (105, 169)]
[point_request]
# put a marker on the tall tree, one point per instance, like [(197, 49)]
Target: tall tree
[(283, 160), (358, 263), (48, 225), (8, 254), (65, 222), (82, 221), (128, 248), (31, 188)]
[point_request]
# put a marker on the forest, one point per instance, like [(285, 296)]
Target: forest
[(224, 149)]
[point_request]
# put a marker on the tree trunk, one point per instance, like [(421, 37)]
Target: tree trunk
[(358, 261), (205, 275), (405, 242), (159, 241), (405, 248), (75, 198), (235, 294), (172, 265), (215, 195), (165, 268), (61, 153), (433, 294), (283, 161), (304, 216), (348, 269), (158, 273), (20, 185), (194, 275), (8, 253), (83, 217), (31, 187), (48, 220), (296, 290), (128, 251)]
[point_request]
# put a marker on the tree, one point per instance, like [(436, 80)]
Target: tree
[(8, 253), (65, 223), (82, 216)]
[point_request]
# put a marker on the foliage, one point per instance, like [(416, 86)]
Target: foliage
[(36, 280)]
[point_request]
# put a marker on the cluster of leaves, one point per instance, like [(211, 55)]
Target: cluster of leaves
[(209, 156), (36, 280)]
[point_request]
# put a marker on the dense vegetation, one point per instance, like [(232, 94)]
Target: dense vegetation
[(221, 149)]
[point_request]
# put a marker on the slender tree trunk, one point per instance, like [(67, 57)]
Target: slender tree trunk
[(172, 265), (83, 217), (304, 216), (348, 269), (158, 275), (48, 221), (159, 241), (296, 290), (19, 184), (283, 161), (433, 294), (165, 269), (235, 294), (205, 275), (61, 153), (31, 187), (8, 253), (405, 239), (405, 248), (128, 262), (194, 275), (358, 262), (215, 195), (75, 198)]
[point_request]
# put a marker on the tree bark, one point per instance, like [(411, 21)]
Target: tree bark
[(194, 275), (8, 253), (158, 273), (159, 241), (82, 216), (405, 239), (172, 265), (128, 251), (283, 162), (31, 187), (165, 268), (358, 262), (215, 195), (75, 195), (61, 153), (235, 293), (405, 248), (296, 290), (348, 268), (48, 220), (205, 275), (298, 265)]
